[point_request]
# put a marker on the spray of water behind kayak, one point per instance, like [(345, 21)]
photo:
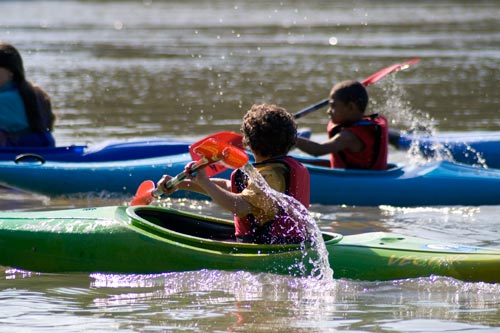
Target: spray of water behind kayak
[(300, 214), (400, 113)]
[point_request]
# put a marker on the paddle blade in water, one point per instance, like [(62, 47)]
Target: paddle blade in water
[(144, 194)]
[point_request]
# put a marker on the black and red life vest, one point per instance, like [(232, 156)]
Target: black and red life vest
[(283, 229), (372, 130)]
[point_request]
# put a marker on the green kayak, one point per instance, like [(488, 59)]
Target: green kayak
[(148, 239)]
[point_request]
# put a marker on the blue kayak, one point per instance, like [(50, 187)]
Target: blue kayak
[(127, 150), (436, 183), (474, 148)]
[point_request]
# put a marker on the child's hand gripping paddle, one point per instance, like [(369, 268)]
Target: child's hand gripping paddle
[(209, 152)]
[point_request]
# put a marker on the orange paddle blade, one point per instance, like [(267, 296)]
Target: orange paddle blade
[(222, 152), (144, 194), (234, 158), (214, 148), (209, 152)]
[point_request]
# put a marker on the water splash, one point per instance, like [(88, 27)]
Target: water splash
[(303, 219), (398, 110)]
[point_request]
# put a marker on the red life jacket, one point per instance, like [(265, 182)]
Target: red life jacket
[(372, 130), (283, 229)]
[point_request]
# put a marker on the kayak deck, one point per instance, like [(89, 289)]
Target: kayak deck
[(395, 256)]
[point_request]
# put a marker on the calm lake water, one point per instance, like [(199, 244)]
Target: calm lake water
[(124, 70)]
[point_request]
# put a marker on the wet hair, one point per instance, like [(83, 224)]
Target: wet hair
[(269, 130), (351, 91), (36, 101)]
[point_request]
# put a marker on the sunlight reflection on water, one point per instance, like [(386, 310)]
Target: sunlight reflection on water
[(128, 69)]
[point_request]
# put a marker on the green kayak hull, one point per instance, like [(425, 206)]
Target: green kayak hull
[(148, 239)]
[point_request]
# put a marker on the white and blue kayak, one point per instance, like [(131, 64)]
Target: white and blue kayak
[(474, 148), (435, 183)]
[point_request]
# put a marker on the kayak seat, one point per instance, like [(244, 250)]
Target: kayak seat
[(188, 224)]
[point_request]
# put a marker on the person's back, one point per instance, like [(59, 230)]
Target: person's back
[(26, 117), (355, 141)]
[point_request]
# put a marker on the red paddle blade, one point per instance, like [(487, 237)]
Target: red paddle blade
[(144, 194), (383, 72)]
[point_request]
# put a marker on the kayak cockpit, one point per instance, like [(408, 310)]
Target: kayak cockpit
[(321, 164), (186, 227), (162, 220)]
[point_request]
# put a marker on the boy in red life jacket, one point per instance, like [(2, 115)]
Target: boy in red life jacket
[(269, 132), (355, 141)]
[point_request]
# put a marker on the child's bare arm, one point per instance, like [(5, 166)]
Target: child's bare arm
[(343, 140), (220, 192)]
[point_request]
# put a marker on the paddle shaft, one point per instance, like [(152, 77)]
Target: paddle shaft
[(208, 151), (366, 82), (311, 108), (181, 176)]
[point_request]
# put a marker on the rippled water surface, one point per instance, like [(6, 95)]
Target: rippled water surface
[(124, 70)]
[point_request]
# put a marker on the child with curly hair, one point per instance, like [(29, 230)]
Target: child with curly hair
[(269, 132)]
